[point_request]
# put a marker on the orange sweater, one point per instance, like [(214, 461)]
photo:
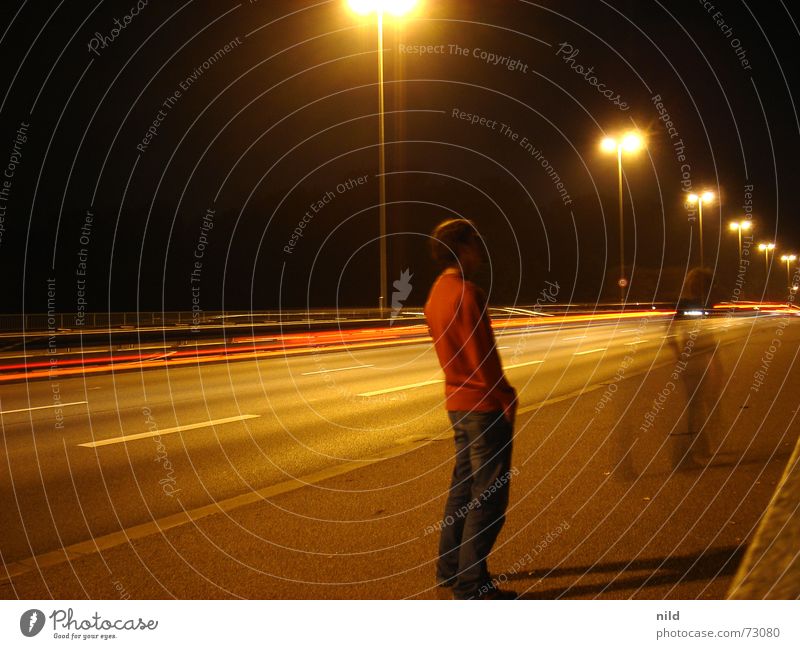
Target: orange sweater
[(464, 342)]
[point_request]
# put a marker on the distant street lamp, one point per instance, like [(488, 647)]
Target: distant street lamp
[(630, 142), (739, 226), (788, 259), (766, 248), (704, 198), (396, 8)]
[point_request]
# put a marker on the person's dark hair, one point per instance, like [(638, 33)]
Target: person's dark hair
[(448, 237), (698, 284)]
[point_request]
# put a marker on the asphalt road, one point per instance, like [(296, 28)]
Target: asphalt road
[(74, 472)]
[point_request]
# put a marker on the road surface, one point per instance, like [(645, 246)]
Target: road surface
[(90, 457)]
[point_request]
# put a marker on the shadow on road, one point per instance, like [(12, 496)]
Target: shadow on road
[(661, 571)]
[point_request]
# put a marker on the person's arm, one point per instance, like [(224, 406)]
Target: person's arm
[(480, 350)]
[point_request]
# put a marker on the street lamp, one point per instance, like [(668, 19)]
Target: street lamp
[(395, 8), (704, 198), (766, 248), (788, 259), (739, 226), (630, 142)]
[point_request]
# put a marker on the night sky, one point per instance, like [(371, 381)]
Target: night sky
[(171, 159)]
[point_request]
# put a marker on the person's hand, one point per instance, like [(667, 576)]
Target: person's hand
[(510, 411)]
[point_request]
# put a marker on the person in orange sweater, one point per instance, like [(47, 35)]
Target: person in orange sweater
[(481, 405)]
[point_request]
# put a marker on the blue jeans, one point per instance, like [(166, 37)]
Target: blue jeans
[(476, 506)]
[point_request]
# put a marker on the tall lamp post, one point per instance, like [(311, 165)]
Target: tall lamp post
[(787, 259), (766, 248), (704, 198), (738, 227), (396, 8), (630, 142)]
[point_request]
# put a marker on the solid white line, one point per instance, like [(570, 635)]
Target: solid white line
[(55, 405), (574, 338), (590, 351), (636, 342), (504, 347), (510, 367), (336, 369), (399, 388), (166, 431)]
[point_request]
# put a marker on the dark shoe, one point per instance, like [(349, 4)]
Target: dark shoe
[(496, 593), (492, 593)]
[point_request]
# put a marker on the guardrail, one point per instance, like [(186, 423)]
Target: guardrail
[(32, 322), (770, 568), (44, 322)]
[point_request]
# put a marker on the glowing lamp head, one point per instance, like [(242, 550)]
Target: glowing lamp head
[(762, 247), (792, 257), (632, 142), (361, 7), (692, 199), (740, 225), (608, 144), (707, 197), (393, 7)]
